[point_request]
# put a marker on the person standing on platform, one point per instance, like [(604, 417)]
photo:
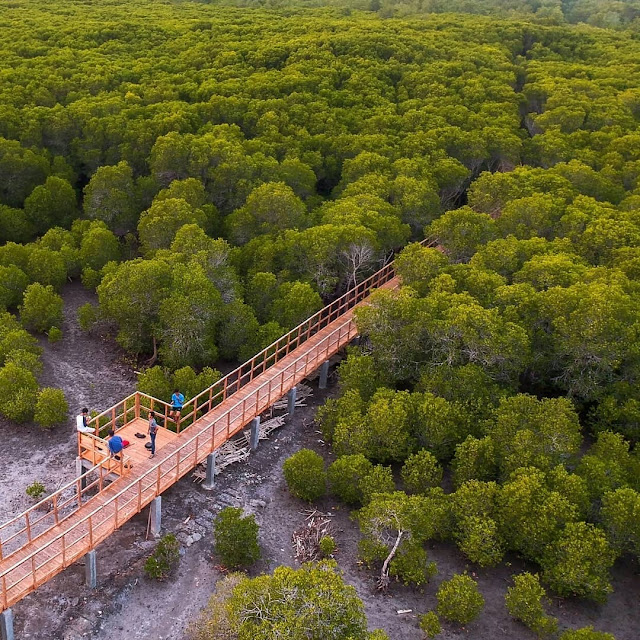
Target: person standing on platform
[(153, 430), (177, 400)]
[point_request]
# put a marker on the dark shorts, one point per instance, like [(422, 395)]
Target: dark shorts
[(176, 408)]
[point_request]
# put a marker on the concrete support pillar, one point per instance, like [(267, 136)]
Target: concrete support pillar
[(255, 433), (91, 569), (291, 400), (210, 481), (6, 625), (324, 374), (156, 515), (80, 470)]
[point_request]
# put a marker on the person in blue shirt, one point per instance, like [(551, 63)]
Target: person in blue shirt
[(115, 444), (177, 400)]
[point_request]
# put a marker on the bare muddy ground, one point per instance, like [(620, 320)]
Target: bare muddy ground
[(92, 372), (128, 605)]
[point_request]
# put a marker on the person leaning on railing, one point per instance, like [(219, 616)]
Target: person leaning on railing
[(81, 422), (177, 400)]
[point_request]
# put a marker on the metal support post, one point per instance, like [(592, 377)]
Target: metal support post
[(91, 569), (6, 625), (291, 400), (156, 515), (80, 471), (210, 481), (255, 433), (324, 374)]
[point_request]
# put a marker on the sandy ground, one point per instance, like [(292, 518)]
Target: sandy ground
[(128, 605)]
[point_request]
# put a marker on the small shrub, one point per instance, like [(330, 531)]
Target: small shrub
[(459, 599), (36, 490), (54, 335), (41, 307), (91, 278), (236, 538), (164, 558), (345, 476), (18, 390), (87, 316), (26, 360), (51, 407), (430, 624), (305, 475), (411, 564), (327, 546), (524, 603), (380, 480), (479, 539), (421, 472)]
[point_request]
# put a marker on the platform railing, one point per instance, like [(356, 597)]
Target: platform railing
[(55, 508)]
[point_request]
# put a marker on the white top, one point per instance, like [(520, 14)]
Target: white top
[(80, 425)]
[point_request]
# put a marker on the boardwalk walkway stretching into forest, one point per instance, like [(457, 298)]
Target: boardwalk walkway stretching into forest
[(41, 542)]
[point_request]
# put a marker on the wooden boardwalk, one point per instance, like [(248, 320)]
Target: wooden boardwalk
[(40, 543)]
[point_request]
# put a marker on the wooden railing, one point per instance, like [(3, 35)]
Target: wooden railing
[(55, 508), (114, 510), (135, 405), (269, 356)]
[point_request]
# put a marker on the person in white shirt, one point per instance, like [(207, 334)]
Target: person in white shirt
[(81, 422)]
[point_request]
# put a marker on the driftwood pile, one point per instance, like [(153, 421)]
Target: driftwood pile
[(266, 428), (303, 392), (238, 449), (306, 539)]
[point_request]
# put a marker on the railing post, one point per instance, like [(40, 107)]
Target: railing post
[(137, 405), (28, 525)]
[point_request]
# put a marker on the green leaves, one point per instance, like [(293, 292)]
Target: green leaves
[(578, 562), (459, 599)]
